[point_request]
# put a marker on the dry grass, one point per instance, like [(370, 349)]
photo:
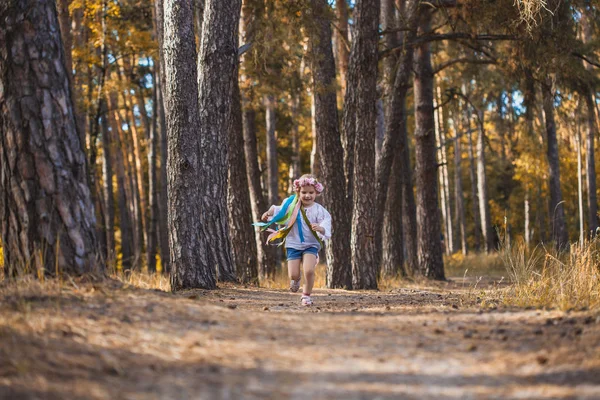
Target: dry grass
[(546, 278), (529, 11)]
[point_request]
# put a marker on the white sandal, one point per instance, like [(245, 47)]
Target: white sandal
[(306, 300), (294, 285)]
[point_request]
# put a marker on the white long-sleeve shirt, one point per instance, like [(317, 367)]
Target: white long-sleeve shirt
[(316, 214)]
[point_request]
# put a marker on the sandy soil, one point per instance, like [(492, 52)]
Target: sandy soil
[(109, 341)]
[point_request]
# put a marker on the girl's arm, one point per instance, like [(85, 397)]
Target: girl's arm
[(272, 211)]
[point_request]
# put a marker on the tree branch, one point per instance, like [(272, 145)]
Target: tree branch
[(586, 59), (461, 60)]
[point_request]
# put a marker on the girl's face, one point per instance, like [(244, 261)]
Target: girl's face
[(308, 195)]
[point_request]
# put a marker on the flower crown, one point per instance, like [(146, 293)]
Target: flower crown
[(298, 183)]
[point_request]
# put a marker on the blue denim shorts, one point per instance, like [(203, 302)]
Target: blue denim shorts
[(293, 254)]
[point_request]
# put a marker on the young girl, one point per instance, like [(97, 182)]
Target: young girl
[(305, 224)]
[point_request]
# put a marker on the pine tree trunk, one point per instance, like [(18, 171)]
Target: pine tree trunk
[(397, 74), (153, 189), (592, 199), (342, 41), (458, 188), (444, 192), (326, 131), (46, 212), (472, 178), (217, 71), (107, 182), (362, 88), (188, 245), (392, 260), (557, 211), (272, 164), (163, 223), (238, 196), (484, 207), (295, 170), (409, 208), (315, 160), (124, 213), (431, 263)]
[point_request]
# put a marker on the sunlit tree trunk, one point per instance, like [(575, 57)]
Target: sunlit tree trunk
[(315, 160), (46, 213), (472, 175), (440, 141), (124, 213), (327, 133), (153, 189), (482, 190), (557, 211), (431, 263), (107, 182), (458, 187), (163, 223)]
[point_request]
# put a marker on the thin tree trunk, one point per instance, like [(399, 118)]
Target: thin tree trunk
[(472, 177), (163, 223), (272, 164), (458, 188), (107, 181), (46, 211), (484, 207), (295, 170), (440, 142), (124, 212), (557, 211), (431, 263), (188, 245), (315, 160), (580, 189), (342, 41), (362, 87), (327, 134), (153, 189)]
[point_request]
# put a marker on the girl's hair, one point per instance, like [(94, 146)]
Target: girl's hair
[(306, 180)]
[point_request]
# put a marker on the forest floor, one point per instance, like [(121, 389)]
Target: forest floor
[(110, 340)]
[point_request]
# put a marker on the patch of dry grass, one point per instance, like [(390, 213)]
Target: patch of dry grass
[(546, 278)]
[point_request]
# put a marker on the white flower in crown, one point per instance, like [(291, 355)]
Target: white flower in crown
[(298, 183)]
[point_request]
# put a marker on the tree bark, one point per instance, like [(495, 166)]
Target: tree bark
[(458, 188), (326, 131), (362, 88), (342, 40), (187, 242), (153, 188), (107, 186), (238, 197), (217, 70), (440, 141), (272, 164), (397, 75), (431, 263), (46, 211), (557, 211), (484, 206), (163, 222)]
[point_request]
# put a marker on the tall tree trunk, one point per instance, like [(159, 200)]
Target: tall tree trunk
[(272, 162), (238, 198), (557, 211), (124, 213), (396, 77), (342, 41), (482, 190), (295, 170), (326, 131), (315, 160), (153, 189), (107, 181), (217, 71), (472, 175), (458, 188), (163, 223), (362, 87), (592, 199), (46, 212), (431, 263), (440, 140), (392, 259), (188, 245)]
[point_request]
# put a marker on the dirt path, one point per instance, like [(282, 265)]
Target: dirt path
[(112, 342)]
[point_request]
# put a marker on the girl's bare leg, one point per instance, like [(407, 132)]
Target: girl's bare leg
[(294, 269), (309, 263)]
